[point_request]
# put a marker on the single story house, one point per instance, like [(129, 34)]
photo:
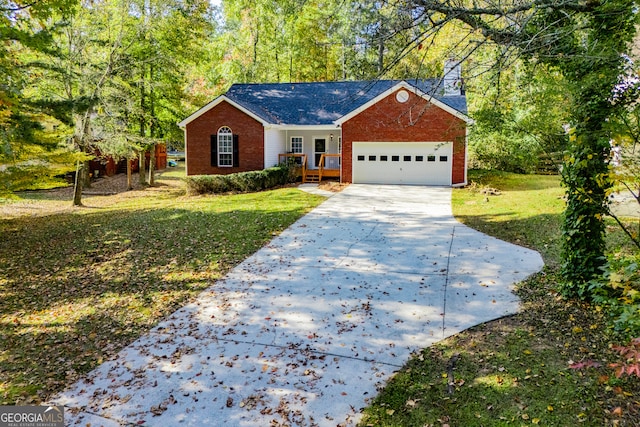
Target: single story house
[(382, 132)]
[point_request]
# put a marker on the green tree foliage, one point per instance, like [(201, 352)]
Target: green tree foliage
[(143, 99), (625, 140), (519, 119), (118, 72), (32, 144), (273, 41), (293, 41)]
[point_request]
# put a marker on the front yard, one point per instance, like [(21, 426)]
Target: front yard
[(79, 284)]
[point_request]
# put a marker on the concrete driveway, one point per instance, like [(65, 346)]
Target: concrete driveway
[(307, 330)]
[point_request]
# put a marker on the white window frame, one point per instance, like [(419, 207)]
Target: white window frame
[(299, 139), (225, 147)]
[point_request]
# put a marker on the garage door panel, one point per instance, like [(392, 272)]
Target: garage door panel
[(420, 163)]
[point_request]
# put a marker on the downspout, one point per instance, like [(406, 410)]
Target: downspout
[(466, 153), (466, 157), (265, 146), (340, 143), (186, 155)]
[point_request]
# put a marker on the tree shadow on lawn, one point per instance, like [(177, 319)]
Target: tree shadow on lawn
[(516, 182), (77, 288), (497, 378)]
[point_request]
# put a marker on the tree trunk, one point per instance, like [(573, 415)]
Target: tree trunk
[(152, 165), (86, 175), (153, 127), (141, 167), (143, 128), (129, 175), (77, 189)]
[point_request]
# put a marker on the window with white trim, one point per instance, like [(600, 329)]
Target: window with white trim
[(296, 144), (225, 147), (297, 148)]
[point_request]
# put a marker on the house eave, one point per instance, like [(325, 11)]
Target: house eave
[(222, 98), (404, 85), (302, 127), (468, 120)]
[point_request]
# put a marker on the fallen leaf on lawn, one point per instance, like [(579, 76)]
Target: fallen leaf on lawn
[(410, 403), (390, 411)]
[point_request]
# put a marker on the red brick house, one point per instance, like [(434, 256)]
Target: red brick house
[(386, 131)]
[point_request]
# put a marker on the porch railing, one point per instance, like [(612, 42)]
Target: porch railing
[(328, 166)]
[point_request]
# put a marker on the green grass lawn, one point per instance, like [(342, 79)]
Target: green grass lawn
[(528, 210), (76, 286), (516, 370)]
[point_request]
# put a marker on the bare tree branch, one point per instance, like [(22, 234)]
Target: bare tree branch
[(18, 7)]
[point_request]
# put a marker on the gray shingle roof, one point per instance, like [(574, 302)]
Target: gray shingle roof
[(324, 102)]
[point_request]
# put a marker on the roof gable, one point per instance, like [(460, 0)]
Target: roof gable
[(215, 103), (455, 105), (325, 103)]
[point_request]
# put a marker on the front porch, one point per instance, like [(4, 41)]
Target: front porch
[(328, 166)]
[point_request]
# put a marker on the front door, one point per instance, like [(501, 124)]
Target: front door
[(320, 147)]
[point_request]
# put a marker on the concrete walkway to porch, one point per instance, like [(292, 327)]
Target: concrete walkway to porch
[(307, 330)]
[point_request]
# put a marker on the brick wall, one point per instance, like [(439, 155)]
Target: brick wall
[(415, 120), (250, 140)]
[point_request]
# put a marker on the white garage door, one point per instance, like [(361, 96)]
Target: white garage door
[(420, 163)]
